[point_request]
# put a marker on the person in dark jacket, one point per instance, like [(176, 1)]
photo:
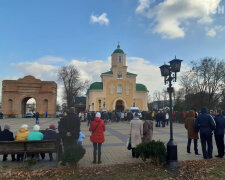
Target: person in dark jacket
[(160, 119), (205, 124), (219, 133), (37, 117), (7, 135), (89, 118), (69, 129), (50, 134)]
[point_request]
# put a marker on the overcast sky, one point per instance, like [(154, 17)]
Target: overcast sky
[(38, 37)]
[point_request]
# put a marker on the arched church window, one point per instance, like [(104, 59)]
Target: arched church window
[(119, 59), (119, 89), (119, 75)]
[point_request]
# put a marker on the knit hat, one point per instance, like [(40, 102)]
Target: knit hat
[(7, 127), (36, 127), (52, 126), (25, 126), (98, 114)]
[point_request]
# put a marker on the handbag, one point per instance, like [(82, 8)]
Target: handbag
[(129, 144)]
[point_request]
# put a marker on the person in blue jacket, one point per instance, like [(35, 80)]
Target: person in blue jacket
[(219, 133), (205, 124), (80, 139)]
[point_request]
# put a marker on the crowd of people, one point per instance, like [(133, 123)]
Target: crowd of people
[(141, 130), (206, 124)]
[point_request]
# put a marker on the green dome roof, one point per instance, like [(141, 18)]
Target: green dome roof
[(118, 50), (96, 85), (141, 87)]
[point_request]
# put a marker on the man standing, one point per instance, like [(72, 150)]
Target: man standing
[(206, 124), (69, 129), (219, 133), (167, 118), (37, 117), (158, 119)]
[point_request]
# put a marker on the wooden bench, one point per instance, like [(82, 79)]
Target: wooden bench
[(31, 147)]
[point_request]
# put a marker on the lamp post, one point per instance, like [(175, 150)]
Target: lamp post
[(170, 74), (99, 102)]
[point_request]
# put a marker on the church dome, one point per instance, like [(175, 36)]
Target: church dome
[(118, 50)]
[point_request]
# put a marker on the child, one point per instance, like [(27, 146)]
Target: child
[(81, 137)]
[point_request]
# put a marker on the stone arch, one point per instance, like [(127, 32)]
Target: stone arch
[(119, 99), (21, 90), (23, 104)]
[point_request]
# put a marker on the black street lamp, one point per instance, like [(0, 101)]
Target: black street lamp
[(99, 101), (170, 74)]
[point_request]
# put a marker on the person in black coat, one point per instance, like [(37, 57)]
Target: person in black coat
[(89, 118), (7, 135), (219, 133), (37, 117), (159, 119), (205, 124), (69, 129)]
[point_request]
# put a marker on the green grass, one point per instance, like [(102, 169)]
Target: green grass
[(219, 170)]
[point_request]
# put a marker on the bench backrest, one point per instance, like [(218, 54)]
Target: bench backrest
[(15, 147)]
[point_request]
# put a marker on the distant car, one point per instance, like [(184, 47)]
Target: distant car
[(59, 114), (29, 115), (1, 115)]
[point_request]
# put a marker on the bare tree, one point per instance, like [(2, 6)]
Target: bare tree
[(205, 82), (165, 94), (157, 98), (73, 86)]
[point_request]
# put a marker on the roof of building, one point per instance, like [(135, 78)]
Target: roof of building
[(79, 100), (141, 87), (128, 73), (99, 86), (96, 85), (118, 50), (108, 72)]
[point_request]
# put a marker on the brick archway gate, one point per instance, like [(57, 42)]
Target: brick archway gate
[(15, 94)]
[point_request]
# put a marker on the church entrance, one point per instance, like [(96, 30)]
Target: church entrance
[(119, 105)]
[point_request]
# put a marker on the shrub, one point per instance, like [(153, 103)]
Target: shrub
[(73, 154), (155, 150), (31, 161)]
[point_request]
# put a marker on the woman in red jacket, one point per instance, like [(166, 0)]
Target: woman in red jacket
[(97, 137)]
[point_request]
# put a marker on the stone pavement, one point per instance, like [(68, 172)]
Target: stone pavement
[(114, 148)]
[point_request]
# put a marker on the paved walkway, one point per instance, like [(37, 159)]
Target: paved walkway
[(114, 149)]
